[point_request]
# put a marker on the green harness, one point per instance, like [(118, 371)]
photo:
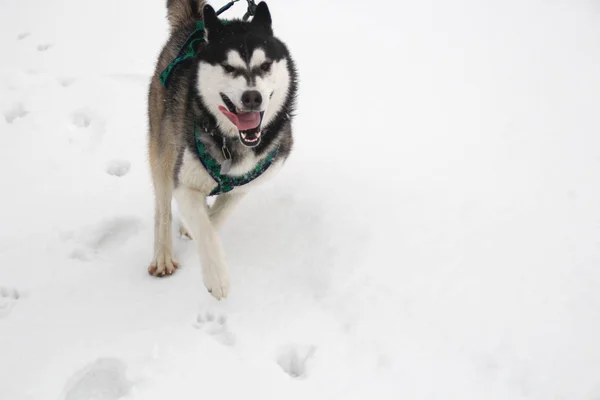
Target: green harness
[(186, 52), (225, 183)]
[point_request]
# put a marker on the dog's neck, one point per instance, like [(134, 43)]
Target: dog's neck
[(228, 151)]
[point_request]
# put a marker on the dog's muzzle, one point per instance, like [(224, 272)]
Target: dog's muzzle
[(248, 121)]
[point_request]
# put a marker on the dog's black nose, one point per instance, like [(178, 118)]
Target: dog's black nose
[(251, 99)]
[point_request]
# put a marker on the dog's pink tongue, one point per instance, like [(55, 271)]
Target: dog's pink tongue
[(243, 120)]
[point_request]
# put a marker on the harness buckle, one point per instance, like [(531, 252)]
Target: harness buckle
[(225, 165)]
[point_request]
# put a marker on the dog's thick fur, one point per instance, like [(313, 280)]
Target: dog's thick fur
[(192, 95)]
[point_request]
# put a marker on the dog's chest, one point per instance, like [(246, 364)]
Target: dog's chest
[(193, 174), (246, 163)]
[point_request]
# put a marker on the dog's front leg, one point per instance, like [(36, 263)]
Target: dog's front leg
[(223, 207), (219, 212), (194, 211), (163, 262)]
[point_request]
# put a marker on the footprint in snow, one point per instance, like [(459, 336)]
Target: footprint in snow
[(118, 168), (104, 379), (66, 81), (81, 118), (293, 360), (216, 326), (8, 298), (105, 235), (23, 35), (15, 112), (44, 47), (87, 128)]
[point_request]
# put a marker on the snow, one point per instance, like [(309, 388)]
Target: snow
[(436, 234)]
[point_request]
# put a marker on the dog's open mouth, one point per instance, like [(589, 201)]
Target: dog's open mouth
[(247, 122)]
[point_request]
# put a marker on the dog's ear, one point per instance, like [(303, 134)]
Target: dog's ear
[(262, 17), (212, 25)]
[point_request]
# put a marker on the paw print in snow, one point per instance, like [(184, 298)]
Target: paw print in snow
[(15, 112), (44, 47), (293, 360), (66, 81), (8, 298), (107, 234), (216, 326), (81, 118), (118, 168), (104, 379)]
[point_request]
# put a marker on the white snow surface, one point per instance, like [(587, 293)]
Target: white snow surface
[(435, 235)]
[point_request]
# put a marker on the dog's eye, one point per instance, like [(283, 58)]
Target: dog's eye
[(266, 66), (228, 68)]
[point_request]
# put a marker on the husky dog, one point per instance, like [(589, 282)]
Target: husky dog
[(229, 110)]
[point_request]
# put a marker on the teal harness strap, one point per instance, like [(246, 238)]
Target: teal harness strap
[(187, 51), (226, 183)]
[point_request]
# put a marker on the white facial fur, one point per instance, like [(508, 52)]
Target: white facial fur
[(213, 80)]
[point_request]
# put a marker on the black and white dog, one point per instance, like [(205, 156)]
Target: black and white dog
[(220, 126)]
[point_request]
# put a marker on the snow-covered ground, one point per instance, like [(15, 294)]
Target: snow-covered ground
[(436, 234)]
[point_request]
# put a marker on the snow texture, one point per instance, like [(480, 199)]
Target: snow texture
[(435, 235)]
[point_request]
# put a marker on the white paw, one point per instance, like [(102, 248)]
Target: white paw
[(164, 264), (216, 279)]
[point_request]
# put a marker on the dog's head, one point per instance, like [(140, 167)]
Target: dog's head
[(245, 74)]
